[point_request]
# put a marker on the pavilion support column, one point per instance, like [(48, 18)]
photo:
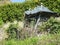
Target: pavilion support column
[(37, 23)]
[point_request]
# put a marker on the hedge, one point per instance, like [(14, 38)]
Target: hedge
[(14, 11)]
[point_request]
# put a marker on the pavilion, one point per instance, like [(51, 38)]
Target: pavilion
[(39, 13)]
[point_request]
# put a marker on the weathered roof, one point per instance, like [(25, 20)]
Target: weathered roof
[(38, 9)]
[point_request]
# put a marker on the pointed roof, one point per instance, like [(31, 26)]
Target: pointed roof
[(38, 9)]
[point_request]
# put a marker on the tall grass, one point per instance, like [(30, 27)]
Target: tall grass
[(49, 39)]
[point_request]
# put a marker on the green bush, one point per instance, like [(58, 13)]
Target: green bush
[(11, 12), (52, 5), (13, 31), (52, 25), (15, 11)]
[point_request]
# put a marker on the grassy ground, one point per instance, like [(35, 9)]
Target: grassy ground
[(29, 41), (49, 39)]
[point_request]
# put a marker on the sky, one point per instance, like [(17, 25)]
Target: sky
[(17, 0)]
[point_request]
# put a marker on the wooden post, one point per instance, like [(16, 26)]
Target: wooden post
[(37, 23)]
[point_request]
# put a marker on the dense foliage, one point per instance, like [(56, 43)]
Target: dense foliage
[(11, 12), (51, 26), (52, 4), (15, 11)]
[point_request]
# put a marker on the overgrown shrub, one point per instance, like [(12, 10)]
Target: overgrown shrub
[(52, 26), (15, 31), (12, 31)]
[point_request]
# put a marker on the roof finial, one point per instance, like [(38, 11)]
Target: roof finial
[(41, 5)]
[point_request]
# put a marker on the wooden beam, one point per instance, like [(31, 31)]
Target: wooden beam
[(37, 23)]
